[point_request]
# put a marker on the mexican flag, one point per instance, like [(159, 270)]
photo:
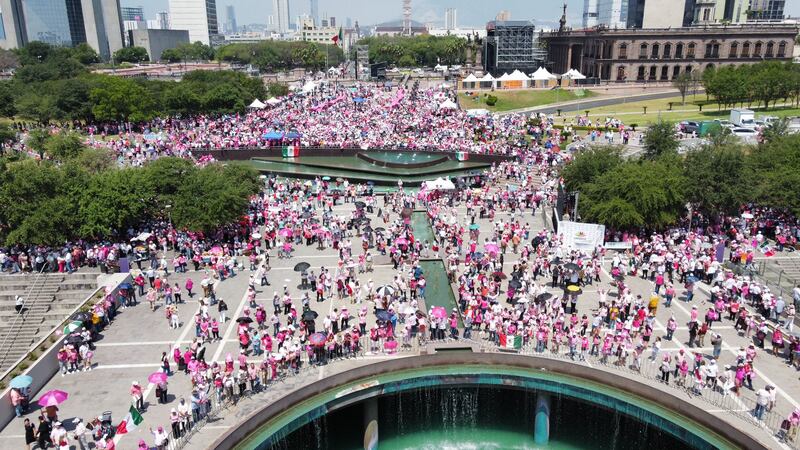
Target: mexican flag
[(462, 156), (290, 151), (131, 421), (338, 37), (513, 341)]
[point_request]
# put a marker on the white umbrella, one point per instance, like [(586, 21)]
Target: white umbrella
[(384, 291), (273, 101), (448, 104), (257, 104)]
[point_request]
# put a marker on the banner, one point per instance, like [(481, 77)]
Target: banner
[(290, 151), (582, 236), (462, 156)]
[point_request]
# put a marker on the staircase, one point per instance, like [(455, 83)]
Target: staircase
[(49, 298)]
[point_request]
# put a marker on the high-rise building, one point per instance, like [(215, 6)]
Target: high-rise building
[(132, 13), (62, 22), (348, 22), (230, 20), (280, 13), (589, 13), (314, 11), (766, 9), (199, 17), (163, 20), (503, 16), (332, 21), (450, 19), (612, 13)]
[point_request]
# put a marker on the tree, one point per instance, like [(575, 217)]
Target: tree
[(7, 107), (37, 139), (682, 83), (213, 196), (715, 178), (131, 55), (85, 54), (114, 201), (775, 130), (660, 139), (121, 99), (589, 164), (63, 146), (773, 174)]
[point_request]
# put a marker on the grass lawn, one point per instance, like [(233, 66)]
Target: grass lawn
[(633, 112), (523, 98)]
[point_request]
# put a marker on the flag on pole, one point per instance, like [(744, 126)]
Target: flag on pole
[(290, 151), (510, 341), (462, 156), (338, 37), (131, 421)]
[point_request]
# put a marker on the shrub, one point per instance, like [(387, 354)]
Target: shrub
[(491, 100), (33, 356), (23, 366)]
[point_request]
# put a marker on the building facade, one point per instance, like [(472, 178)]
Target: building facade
[(199, 17), (512, 45), (314, 11), (97, 23), (589, 13), (280, 14), (663, 54), (230, 20), (132, 13), (450, 19), (156, 41), (766, 9)]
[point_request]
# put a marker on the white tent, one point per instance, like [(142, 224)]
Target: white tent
[(487, 77), (504, 77), (518, 76), (542, 74), (257, 104), (487, 81), (440, 183), (273, 101), (573, 74), (309, 87), (448, 104), (471, 78)]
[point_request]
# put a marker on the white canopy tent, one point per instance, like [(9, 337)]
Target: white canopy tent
[(573, 74), (441, 184), (469, 81), (273, 101), (257, 104), (487, 81), (542, 74), (448, 104)]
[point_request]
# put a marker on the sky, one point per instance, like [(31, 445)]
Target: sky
[(471, 13)]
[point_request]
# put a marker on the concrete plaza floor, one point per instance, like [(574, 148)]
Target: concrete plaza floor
[(131, 348)]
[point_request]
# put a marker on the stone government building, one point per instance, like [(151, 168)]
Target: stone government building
[(662, 54)]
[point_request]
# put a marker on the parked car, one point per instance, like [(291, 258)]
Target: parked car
[(746, 134), (689, 127), (725, 123)]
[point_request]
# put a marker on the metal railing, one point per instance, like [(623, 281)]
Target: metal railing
[(29, 300), (712, 394), (215, 405)]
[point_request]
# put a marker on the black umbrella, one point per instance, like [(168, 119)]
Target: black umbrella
[(619, 277), (309, 315), (571, 266), (383, 315), (74, 339), (500, 275), (514, 284), (368, 229), (359, 204), (556, 261), (82, 316), (244, 320), (307, 215), (300, 267), (544, 297), (380, 229), (406, 213)]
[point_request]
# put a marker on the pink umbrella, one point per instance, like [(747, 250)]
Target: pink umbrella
[(491, 248), (157, 377), (53, 398), (390, 345), (439, 312), (286, 232), (401, 241), (216, 250)]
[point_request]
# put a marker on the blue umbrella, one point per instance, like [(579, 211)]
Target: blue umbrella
[(21, 381), (293, 135), (359, 100), (126, 286), (272, 135)]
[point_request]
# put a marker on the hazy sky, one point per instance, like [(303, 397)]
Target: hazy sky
[(471, 13)]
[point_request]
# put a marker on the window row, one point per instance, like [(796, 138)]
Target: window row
[(712, 50)]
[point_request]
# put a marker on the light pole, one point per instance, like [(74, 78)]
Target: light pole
[(169, 214)]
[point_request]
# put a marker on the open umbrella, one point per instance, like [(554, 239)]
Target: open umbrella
[(545, 296), (515, 284), (491, 248), (383, 315), (74, 339), (286, 232), (127, 286), (72, 326), (21, 381), (309, 315), (326, 178), (390, 345), (439, 312), (317, 339), (380, 229), (360, 205), (157, 377), (255, 236), (216, 250), (244, 320), (571, 266), (556, 260), (500, 275), (574, 289), (474, 226), (81, 316), (53, 398), (401, 241), (477, 255), (406, 213), (384, 291), (301, 266), (340, 179), (367, 229)]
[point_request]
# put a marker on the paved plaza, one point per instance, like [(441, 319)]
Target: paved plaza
[(131, 348)]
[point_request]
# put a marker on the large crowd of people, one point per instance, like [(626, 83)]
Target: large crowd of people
[(494, 303)]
